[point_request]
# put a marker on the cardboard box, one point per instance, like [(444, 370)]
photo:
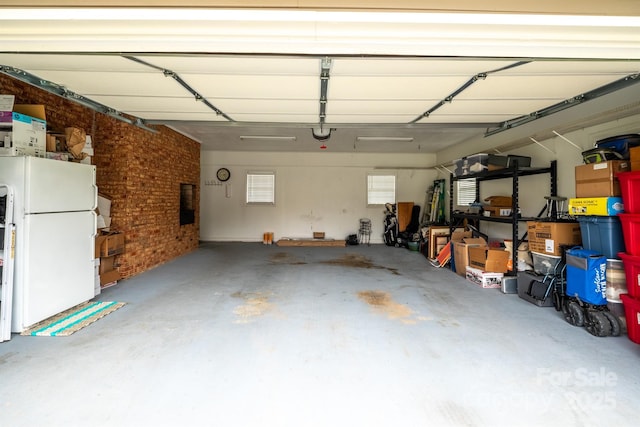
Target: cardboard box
[(107, 264), (634, 157), (28, 127), (602, 206), (109, 277), (484, 278), (6, 108), (500, 201), (459, 234), (11, 151), (497, 210), (5, 138), (109, 244), (488, 259), (461, 252), (51, 144), (547, 237), (29, 134), (600, 179)]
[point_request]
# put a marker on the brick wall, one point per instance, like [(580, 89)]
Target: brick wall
[(139, 170)]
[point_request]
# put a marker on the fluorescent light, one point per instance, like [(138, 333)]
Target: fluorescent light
[(384, 138), (268, 137)]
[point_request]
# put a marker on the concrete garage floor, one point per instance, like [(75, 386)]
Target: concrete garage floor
[(249, 335)]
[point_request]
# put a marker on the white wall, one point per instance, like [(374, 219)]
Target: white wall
[(314, 192), (533, 189)]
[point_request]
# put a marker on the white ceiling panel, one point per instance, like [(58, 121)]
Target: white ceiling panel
[(393, 88), (413, 67), (465, 118), (369, 118), (179, 115), (256, 106), (255, 86), (621, 68), (500, 107), (239, 65), (339, 107), (132, 104), (277, 118), (114, 83), (535, 87), (101, 63)]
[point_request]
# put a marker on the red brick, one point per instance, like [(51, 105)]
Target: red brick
[(140, 171)]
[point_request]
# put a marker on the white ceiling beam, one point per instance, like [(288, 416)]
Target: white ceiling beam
[(581, 7), (319, 32)]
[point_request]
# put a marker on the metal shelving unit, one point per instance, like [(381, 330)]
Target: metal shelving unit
[(514, 173)]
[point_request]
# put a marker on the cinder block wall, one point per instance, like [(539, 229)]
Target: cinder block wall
[(139, 170)]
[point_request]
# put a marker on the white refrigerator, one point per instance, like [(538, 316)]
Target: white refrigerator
[(54, 213)]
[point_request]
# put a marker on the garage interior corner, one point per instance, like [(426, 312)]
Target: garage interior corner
[(243, 334)]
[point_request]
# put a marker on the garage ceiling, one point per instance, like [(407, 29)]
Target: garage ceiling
[(374, 82)]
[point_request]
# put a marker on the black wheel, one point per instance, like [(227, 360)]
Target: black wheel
[(615, 323), (573, 313), (597, 324), (558, 300)]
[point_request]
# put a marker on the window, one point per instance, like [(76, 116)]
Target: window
[(187, 204), (261, 187), (466, 192), (381, 189)]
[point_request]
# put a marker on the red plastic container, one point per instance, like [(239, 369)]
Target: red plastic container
[(631, 232), (630, 189), (632, 314), (632, 273)]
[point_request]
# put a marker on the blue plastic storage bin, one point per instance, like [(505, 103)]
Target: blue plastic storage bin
[(586, 276), (602, 234), (620, 143)]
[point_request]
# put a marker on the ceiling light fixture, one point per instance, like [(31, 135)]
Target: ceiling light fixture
[(267, 137), (385, 138)]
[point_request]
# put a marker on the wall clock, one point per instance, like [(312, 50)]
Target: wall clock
[(223, 174)]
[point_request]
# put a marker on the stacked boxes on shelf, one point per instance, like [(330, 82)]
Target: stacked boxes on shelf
[(498, 206), (630, 187)]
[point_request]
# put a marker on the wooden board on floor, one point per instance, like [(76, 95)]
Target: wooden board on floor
[(311, 242)]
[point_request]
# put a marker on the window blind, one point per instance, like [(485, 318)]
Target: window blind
[(466, 192), (381, 189), (261, 188)]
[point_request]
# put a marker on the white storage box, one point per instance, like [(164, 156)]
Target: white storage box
[(483, 278)]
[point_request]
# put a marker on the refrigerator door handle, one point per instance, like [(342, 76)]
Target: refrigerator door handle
[(95, 196), (92, 255)]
